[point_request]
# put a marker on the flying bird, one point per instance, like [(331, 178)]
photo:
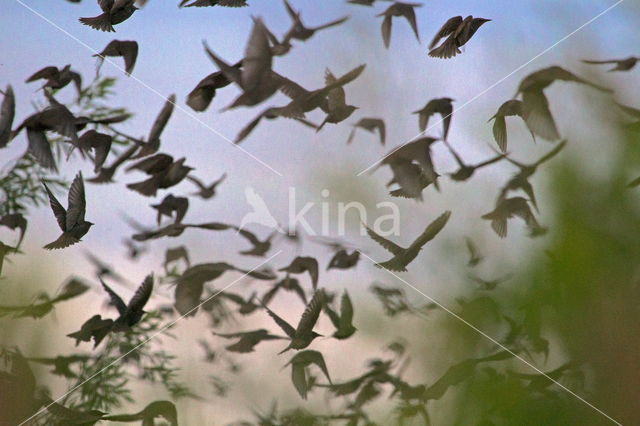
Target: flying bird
[(164, 173), (510, 108), (466, 171), (287, 284), (336, 108), (7, 114), (152, 144), (206, 191), (113, 12), (343, 322), (413, 179), (258, 247), (442, 106), (301, 336), (299, 31), (247, 339), (100, 143), (403, 256), (176, 229), (57, 78), (71, 220), (458, 32), (170, 205), (201, 96), (130, 314), (508, 208), (126, 49), (370, 125), (105, 174), (15, 221), (342, 259), (399, 9), (302, 264), (626, 64), (175, 254)]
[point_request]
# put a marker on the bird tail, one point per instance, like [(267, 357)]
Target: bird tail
[(100, 22), (322, 124), (284, 350), (65, 240)]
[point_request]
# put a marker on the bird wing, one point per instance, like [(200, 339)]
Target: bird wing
[(162, 119), (40, 149), (142, 295), (346, 309), (336, 96), (77, 203), (448, 28), (330, 24), (129, 52), (46, 72), (59, 212), (311, 313), (232, 73), (432, 230), (386, 30), (257, 58), (7, 114), (390, 246), (285, 326), (115, 299), (538, 116), (410, 16)]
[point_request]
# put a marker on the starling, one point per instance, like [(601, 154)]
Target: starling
[(130, 314), (344, 260), (442, 106), (299, 31), (411, 179), (61, 364), (344, 321), (208, 3), (302, 264), (7, 114), (70, 416), (113, 12), (176, 229), (403, 256), (401, 161), (71, 220), (100, 143), (105, 175), (303, 335), (466, 171), (126, 49), (279, 47), (370, 125), (206, 191), (398, 9), (626, 64), (510, 108), (57, 78), (508, 208), (259, 247), (164, 173), (200, 98), (336, 108), (170, 205), (247, 339), (458, 32)]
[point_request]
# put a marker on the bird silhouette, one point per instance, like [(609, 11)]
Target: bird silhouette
[(175, 254), (411, 179), (130, 314), (343, 322), (105, 174), (176, 229), (342, 259), (458, 32), (164, 173), (206, 191), (171, 204), (126, 49), (15, 221), (288, 284), (57, 78), (370, 125), (201, 96), (510, 108), (259, 247), (442, 106), (165, 409), (508, 208), (403, 256), (152, 145), (7, 114), (299, 31), (4, 251), (301, 336), (71, 220), (302, 264), (247, 339), (625, 64), (113, 12), (100, 143), (466, 171), (399, 9), (336, 108)]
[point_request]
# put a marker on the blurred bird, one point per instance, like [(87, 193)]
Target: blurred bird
[(206, 191), (256, 79), (344, 260), (279, 47), (398, 9), (170, 205), (7, 114), (411, 179), (176, 229), (626, 64), (126, 49), (165, 409), (489, 284), (287, 284), (61, 364), (336, 108), (70, 416), (401, 160), (344, 321), (370, 125), (302, 264), (113, 12), (105, 174), (535, 106), (100, 143), (152, 144), (299, 31), (164, 172), (303, 335), (15, 221), (259, 247), (508, 208), (130, 314), (201, 96), (510, 108), (403, 256), (103, 270), (364, 2), (71, 220), (474, 256), (466, 171), (95, 328), (247, 339), (44, 303), (4, 251), (458, 32), (57, 78), (206, 3), (442, 106), (175, 254)]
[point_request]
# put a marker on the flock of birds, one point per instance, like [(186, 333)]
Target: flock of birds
[(411, 164)]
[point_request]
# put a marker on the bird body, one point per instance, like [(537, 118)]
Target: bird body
[(113, 12), (458, 32)]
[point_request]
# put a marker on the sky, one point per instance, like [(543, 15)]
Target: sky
[(522, 37)]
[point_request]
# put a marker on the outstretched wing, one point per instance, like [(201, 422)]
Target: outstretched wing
[(448, 28), (59, 211), (142, 295), (432, 230), (115, 299), (77, 202), (390, 246), (285, 326), (311, 314)]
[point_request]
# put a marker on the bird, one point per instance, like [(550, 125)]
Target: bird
[(127, 49), (130, 314), (57, 78), (299, 31), (71, 220), (510, 108), (288, 284), (165, 409), (105, 174), (342, 259), (270, 114), (259, 247), (113, 12), (15, 221), (61, 364), (152, 145), (442, 106), (279, 47), (164, 173), (201, 96), (370, 125), (206, 191), (466, 171), (398, 9), (336, 108), (176, 229), (364, 2), (343, 322), (247, 339), (175, 254), (626, 64), (100, 143), (302, 264), (256, 78), (7, 114), (71, 416), (403, 256), (210, 3), (102, 269), (474, 256), (535, 106), (507, 208), (458, 32), (301, 336), (171, 204)]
